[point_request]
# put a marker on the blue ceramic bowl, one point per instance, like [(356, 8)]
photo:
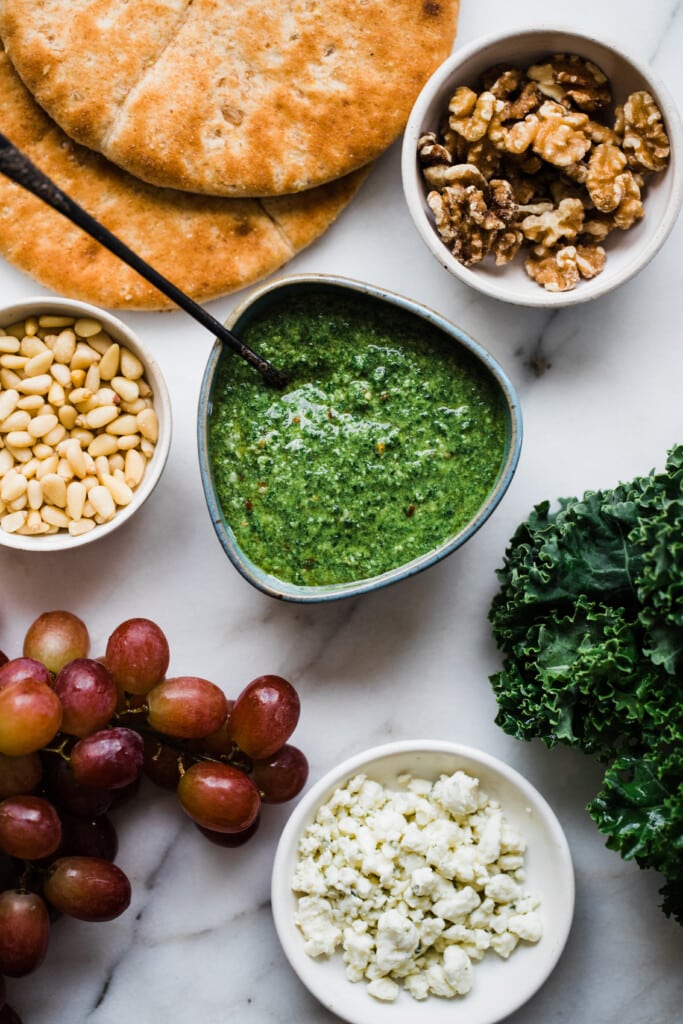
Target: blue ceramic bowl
[(297, 286)]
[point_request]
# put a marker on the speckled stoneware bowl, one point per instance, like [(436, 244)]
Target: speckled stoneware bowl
[(499, 986), (628, 252), (119, 332), (303, 285)]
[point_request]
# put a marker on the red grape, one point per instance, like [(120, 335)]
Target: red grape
[(56, 638), (88, 695), (88, 888), (186, 707), (24, 932), (72, 796), (231, 839), (164, 765), (90, 837), (281, 777), (30, 716), (264, 716), (108, 759), (8, 1015), (219, 797), (19, 774), (137, 655), (19, 669), (29, 827), (218, 742)]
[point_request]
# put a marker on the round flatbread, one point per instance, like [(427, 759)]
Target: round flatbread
[(207, 246), (227, 98)]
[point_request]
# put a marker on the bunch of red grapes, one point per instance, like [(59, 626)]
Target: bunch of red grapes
[(76, 735)]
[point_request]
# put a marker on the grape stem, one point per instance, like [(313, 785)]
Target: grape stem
[(235, 756)]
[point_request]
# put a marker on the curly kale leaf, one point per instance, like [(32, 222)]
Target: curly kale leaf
[(659, 536), (589, 619), (640, 810), (580, 679), (579, 548)]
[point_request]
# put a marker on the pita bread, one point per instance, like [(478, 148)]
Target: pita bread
[(230, 98), (205, 245)]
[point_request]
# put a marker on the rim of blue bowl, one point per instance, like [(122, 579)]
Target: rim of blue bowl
[(282, 589)]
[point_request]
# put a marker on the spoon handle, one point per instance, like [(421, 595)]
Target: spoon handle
[(17, 166)]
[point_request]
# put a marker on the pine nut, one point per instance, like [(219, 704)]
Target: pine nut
[(83, 357), (32, 346), (101, 415), (101, 500), (76, 458), (120, 491), (19, 420), (65, 470), (64, 347), (39, 364), (81, 526), (54, 489), (55, 435), (8, 403), (75, 499), (131, 366), (50, 320), (100, 342), (127, 389), (86, 327), (9, 345), (34, 491), (103, 444), (67, 416), (55, 395), (62, 374), (92, 378), (13, 486), (54, 516), (109, 363), (42, 451), (13, 522), (123, 425), (9, 379), (49, 466), (134, 467), (30, 468), (39, 426), (39, 385), (6, 461), (128, 441), (77, 378), (19, 439), (13, 362)]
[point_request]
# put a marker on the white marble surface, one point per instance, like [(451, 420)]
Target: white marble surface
[(413, 660)]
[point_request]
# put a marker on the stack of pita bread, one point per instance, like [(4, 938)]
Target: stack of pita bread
[(217, 138)]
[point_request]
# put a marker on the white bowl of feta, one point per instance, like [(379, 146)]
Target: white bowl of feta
[(423, 880)]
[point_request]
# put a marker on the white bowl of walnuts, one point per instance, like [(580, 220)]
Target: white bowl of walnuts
[(543, 168)]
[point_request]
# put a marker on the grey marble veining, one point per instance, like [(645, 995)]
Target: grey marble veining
[(600, 387)]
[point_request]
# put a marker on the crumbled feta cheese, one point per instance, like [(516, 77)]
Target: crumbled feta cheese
[(413, 885)]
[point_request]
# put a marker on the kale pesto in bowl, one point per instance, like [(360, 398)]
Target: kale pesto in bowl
[(394, 439)]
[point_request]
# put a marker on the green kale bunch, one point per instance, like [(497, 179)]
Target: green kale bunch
[(589, 618)]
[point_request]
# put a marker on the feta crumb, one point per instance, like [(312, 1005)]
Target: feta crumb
[(414, 885)]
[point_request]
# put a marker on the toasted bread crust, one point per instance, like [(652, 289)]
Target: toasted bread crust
[(232, 99)]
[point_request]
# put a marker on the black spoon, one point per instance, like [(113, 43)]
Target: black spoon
[(17, 166)]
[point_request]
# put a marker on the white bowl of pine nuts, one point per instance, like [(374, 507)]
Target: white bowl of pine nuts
[(85, 424)]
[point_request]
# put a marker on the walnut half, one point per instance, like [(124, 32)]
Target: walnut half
[(530, 159)]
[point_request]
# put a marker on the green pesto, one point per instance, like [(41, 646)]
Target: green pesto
[(385, 443)]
